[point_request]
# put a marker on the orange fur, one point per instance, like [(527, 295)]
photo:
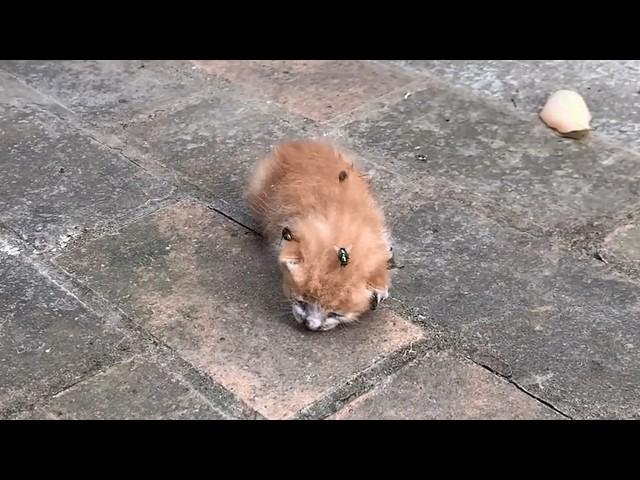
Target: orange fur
[(300, 186)]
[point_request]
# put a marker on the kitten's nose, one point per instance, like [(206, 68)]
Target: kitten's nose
[(312, 323)]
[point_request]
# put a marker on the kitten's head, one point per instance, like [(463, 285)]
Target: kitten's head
[(334, 269)]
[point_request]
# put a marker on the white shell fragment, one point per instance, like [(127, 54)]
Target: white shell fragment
[(566, 112)]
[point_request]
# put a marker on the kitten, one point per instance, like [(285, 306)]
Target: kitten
[(317, 210)]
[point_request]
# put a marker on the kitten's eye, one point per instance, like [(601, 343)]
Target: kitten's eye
[(302, 304), (286, 234)]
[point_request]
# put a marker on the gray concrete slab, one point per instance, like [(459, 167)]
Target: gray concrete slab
[(137, 389), (533, 179), (443, 386), (487, 206), (213, 143), (57, 181), (316, 89), (108, 93), (611, 88), (211, 291), (565, 329), (48, 339)]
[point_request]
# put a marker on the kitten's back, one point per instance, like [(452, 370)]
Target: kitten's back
[(303, 178)]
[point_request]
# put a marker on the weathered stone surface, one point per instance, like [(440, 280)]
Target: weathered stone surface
[(484, 206), (534, 180), (565, 330), (138, 389), (442, 386), (316, 89), (108, 93), (609, 87), (48, 339), (210, 290), (214, 143), (57, 181), (624, 243)]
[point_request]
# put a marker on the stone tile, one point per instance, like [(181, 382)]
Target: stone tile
[(564, 329), (618, 246), (108, 93), (316, 89), (441, 386), (137, 389), (48, 340), (531, 177), (56, 181), (214, 143), (610, 87), (210, 290), (624, 243)]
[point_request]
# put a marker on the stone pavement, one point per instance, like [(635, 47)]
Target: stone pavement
[(132, 283)]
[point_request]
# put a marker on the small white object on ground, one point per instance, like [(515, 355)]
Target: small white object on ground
[(566, 112)]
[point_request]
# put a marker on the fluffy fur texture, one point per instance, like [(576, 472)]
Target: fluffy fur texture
[(312, 201)]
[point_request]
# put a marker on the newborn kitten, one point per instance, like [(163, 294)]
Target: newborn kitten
[(317, 209)]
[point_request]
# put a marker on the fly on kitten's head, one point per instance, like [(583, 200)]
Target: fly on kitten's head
[(318, 211)]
